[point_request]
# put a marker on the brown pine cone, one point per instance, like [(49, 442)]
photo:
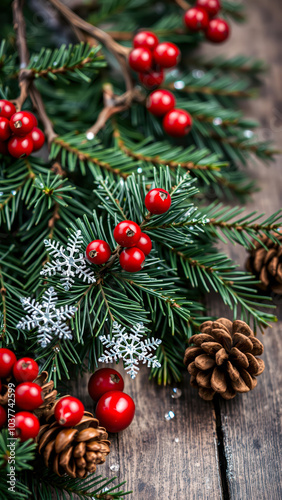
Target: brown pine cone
[(49, 393), (73, 450), (223, 359), (266, 264), (4, 394)]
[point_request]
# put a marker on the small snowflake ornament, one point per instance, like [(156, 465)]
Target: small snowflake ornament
[(69, 262), (130, 348), (46, 317)]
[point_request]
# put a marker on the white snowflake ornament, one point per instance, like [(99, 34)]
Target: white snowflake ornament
[(130, 348), (46, 317), (70, 261)]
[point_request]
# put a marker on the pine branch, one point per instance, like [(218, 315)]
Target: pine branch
[(214, 90)]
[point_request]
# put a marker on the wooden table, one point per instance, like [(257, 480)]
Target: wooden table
[(222, 450)]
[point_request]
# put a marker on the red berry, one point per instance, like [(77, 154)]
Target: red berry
[(152, 79), (158, 201), (4, 148), (5, 130), (115, 411), (177, 123), (20, 146), (7, 361), (166, 54), (7, 109), (33, 117), (98, 252), (25, 370), (0, 386), (132, 259), (160, 102), (145, 39), (3, 416), (217, 31), (127, 233), (212, 7), (140, 59), (27, 425), (104, 380), (69, 411), (196, 19), (21, 123), (28, 396), (144, 244), (37, 137)]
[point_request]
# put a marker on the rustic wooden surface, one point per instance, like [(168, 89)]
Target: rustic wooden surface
[(226, 450)]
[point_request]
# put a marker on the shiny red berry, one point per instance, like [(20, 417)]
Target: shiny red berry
[(127, 233), (69, 411), (5, 130), (145, 39), (132, 259), (21, 123), (4, 148), (212, 7), (196, 19), (152, 79), (157, 201), (166, 55), (25, 370), (115, 411), (27, 425), (28, 396), (217, 31), (7, 109), (140, 59), (160, 102), (37, 137), (20, 146), (104, 380), (3, 416), (177, 123), (33, 117), (144, 244), (98, 252), (7, 361)]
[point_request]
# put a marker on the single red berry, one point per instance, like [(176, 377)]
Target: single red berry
[(152, 79), (115, 411), (217, 31), (4, 148), (21, 123), (7, 361), (7, 109), (25, 370), (212, 7), (140, 59), (157, 201), (127, 233), (69, 411), (196, 19), (177, 123), (144, 244), (132, 259), (37, 137), (160, 102), (98, 252), (20, 146), (27, 425), (5, 130), (167, 55), (28, 396), (3, 416), (104, 380), (145, 39)]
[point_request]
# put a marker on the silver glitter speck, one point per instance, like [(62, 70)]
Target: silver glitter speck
[(179, 84), (198, 73), (176, 393), (114, 467), (217, 121), (90, 136), (169, 415), (248, 134)]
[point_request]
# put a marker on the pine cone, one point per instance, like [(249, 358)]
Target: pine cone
[(73, 450), (4, 394), (223, 359), (49, 393), (266, 264)]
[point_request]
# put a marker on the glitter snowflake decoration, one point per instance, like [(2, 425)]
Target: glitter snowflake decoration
[(70, 261), (46, 317), (130, 348)]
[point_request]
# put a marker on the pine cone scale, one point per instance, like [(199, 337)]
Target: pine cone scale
[(265, 262)]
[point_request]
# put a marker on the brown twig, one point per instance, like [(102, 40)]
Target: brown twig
[(184, 5)]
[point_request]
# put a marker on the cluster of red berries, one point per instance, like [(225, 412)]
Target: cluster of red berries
[(202, 18), (128, 235), (176, 122), (29, 396), (149, 58), (19, 134), (115, 409)]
